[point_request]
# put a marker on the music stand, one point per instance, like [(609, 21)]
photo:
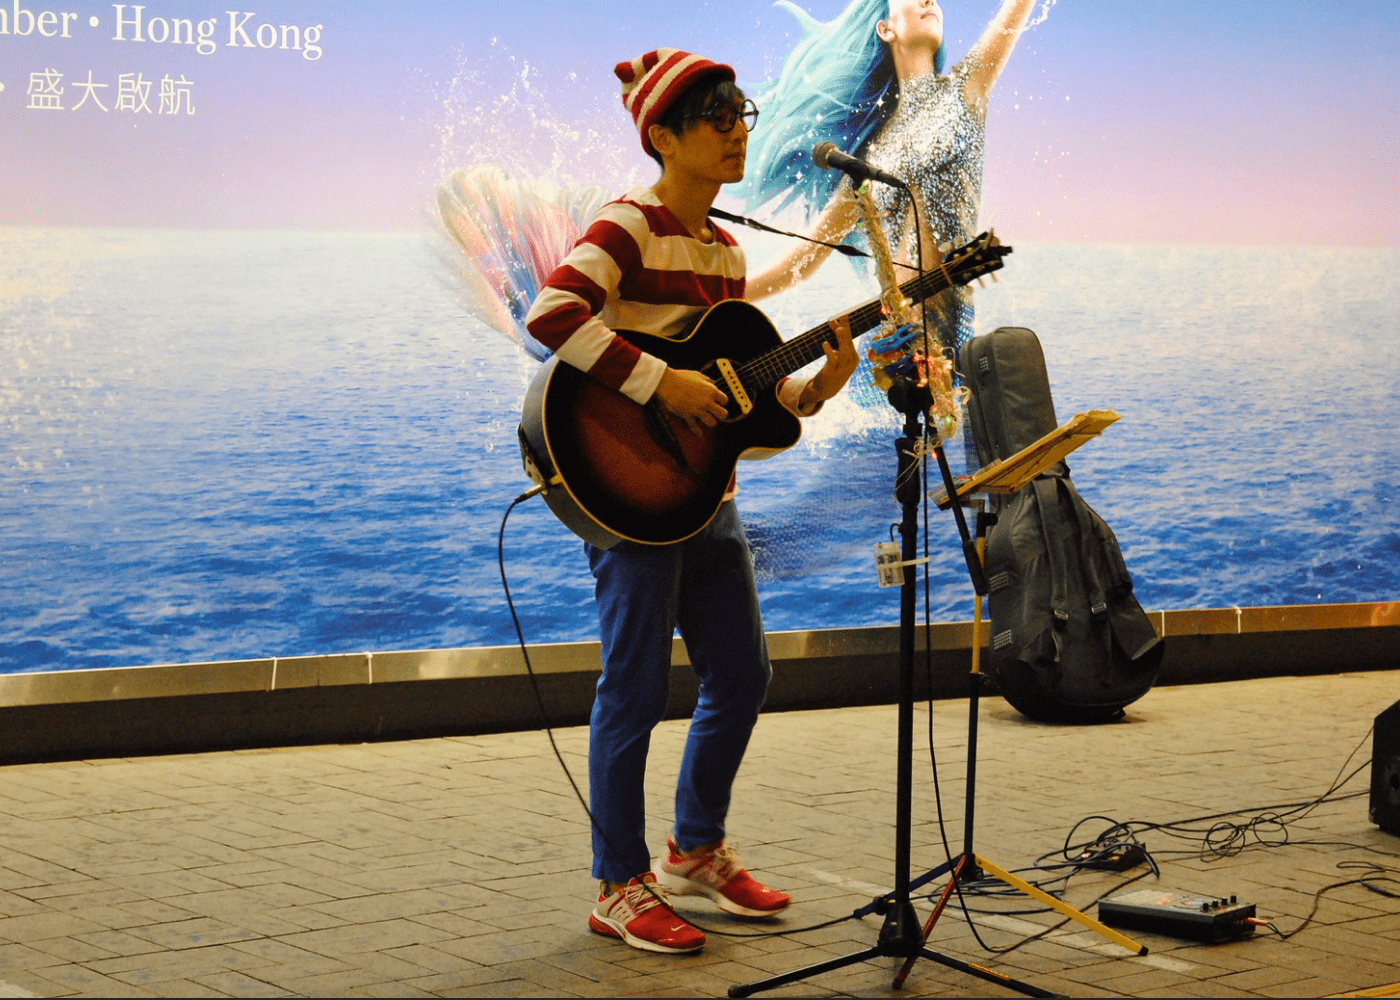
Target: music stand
[(1008, 476)]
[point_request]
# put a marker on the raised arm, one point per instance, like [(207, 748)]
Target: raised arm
[(988, 57), (835, 222)]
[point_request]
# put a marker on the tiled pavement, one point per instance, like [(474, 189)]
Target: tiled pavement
[(456, 867)]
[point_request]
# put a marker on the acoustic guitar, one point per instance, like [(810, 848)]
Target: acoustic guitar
[(614, 469)]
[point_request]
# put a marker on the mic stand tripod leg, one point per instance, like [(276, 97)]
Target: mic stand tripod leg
[(901, 937)]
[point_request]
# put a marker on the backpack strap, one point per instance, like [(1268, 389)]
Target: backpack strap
[(1048, 502), (1091, 555)]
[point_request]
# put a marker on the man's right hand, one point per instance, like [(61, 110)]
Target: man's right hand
[(692, 397)]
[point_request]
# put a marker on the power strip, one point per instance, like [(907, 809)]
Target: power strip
[(1177, 914)]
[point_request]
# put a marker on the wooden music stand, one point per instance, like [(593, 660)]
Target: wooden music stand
[(1008, 476)]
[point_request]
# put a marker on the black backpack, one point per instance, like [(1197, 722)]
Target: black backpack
[(1069, 641)]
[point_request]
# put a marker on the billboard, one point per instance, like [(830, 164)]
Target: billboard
[(249, 409)]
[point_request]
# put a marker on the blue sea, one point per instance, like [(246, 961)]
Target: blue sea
[(222, 445)]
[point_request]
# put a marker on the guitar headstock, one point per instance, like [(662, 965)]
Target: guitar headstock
[(978, 257)]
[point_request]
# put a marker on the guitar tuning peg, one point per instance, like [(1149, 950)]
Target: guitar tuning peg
[(945, 247), (980, 282), (994, 278)]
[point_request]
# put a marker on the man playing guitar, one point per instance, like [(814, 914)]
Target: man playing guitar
[(653, 262)]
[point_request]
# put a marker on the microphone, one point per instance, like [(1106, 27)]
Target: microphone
[(828, 157)]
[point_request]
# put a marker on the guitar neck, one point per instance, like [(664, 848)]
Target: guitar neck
[(805, 348)]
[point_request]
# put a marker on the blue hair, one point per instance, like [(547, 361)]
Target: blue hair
[(837, 85)]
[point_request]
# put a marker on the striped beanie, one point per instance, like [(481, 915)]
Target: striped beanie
[(652, 82)]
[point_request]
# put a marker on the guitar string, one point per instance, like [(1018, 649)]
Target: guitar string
[(804, 348)]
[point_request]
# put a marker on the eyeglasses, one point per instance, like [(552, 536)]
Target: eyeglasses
[(723, 118)]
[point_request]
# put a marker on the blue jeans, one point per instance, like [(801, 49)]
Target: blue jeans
[(705, 587)]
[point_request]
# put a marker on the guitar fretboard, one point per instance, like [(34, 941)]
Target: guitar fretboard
[(769, 368)]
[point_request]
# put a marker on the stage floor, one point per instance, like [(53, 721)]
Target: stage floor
[(458, 866)]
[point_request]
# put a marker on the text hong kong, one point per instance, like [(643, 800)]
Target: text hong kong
[(235, 29)]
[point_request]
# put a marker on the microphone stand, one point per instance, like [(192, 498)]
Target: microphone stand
[(901, 936)]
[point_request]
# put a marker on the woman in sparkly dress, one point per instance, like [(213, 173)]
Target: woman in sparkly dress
[(872, 82)]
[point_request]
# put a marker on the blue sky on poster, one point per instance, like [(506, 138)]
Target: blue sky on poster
[(1195, 122)]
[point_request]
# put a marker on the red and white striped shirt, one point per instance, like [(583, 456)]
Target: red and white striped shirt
[(637, 268)]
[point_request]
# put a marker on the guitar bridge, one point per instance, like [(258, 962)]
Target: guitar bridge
[(735, 385)]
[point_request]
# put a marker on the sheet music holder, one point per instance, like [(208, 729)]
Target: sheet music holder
[(1010, 475)]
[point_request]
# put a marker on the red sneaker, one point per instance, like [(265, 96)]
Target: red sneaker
[(714, 871), (644, 919)]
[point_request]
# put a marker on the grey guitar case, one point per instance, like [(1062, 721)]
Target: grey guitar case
[(1069, 640)]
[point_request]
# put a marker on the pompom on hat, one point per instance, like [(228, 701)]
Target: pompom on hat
[(652, 82)]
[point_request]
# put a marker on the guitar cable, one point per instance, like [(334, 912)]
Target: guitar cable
[(559, 756), (1376, 877)]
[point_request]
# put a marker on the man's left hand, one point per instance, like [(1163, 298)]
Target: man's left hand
[(841, 361)]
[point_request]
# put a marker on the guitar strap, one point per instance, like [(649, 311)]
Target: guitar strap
[(842, 248)]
